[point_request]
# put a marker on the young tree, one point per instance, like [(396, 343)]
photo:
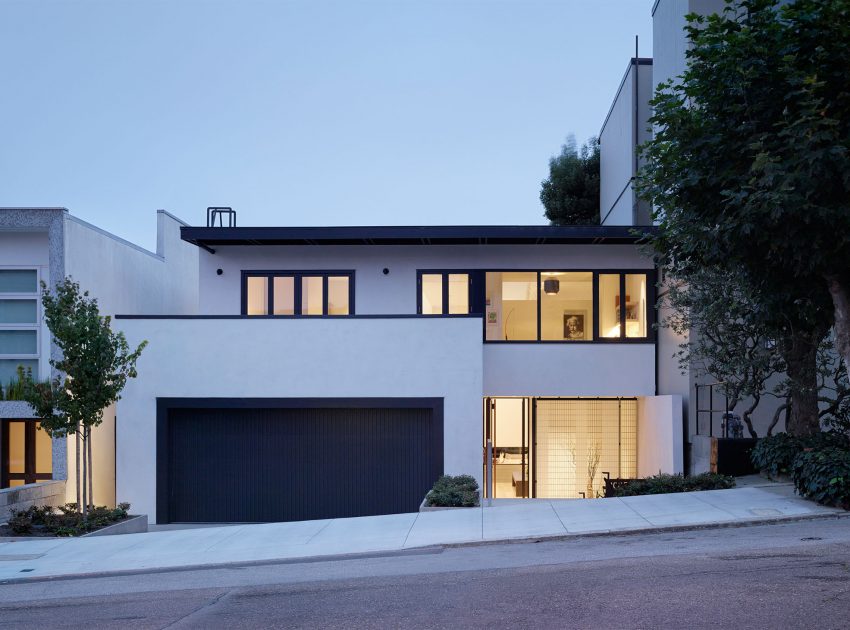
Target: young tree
[(749, 172), (571, 193), (95, 365)]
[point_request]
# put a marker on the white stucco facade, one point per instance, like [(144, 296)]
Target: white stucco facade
[(313, 358)]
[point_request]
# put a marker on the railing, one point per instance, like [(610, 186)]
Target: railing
[(217, 213)]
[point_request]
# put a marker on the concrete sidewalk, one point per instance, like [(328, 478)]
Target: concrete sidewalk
[(506, 520)]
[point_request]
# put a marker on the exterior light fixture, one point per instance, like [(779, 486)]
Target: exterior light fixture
[(551, 286)]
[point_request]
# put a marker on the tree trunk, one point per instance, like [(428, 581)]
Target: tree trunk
[(85, 478), (748, 415), (91, 469), (79, 479), (800, 350), (839, 289)]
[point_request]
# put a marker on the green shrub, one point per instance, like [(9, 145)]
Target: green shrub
[(665, 483), (823, 475), (448, 491), (774, 455), (64, 520)]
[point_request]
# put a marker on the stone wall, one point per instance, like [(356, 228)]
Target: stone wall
[(22, 497)]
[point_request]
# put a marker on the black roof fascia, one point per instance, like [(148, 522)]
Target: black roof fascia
[(210, 237)]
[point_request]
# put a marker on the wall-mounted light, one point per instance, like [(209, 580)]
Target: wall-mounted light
[(551, 286), (218, 272), (386, 271)]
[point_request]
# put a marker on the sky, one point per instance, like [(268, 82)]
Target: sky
[(403, 112)]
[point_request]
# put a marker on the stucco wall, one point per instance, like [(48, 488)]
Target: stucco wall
[(394, 293), (616, 159), (660, 435), (223, 358), (566, 370), (127, 279), (617, 148)]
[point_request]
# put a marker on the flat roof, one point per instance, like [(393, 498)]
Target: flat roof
[(210, 237)]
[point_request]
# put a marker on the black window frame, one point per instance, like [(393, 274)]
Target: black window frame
[(651, 291), (30, 474), (297, 275), (445, 273)]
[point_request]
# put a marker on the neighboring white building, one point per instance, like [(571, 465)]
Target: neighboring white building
[(625, 128), (48, 244)]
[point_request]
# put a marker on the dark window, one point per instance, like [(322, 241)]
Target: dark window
[(444, 293), (295, 293)]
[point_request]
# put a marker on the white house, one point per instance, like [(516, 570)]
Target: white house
[(339, 371)]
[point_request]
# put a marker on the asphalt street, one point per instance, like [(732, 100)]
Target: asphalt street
[(794, 575)]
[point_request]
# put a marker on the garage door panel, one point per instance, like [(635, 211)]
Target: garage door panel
[(259, 465)]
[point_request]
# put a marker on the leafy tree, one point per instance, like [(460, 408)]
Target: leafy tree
[(727, 339), (571, 193), (749, 173), (95, 365)]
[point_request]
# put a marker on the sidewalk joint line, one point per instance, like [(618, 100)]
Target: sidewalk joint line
[(323, 528), (558, 516), (410, 529)]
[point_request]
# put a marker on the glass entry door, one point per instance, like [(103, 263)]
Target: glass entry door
[(559, 448), (508, 427)]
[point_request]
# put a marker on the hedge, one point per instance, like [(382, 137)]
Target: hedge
[(665, 483)]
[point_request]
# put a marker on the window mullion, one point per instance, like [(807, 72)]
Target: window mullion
[(622, 306)]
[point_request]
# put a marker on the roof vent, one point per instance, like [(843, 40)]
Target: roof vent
[(218, 214)]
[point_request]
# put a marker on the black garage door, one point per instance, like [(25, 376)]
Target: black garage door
[(260, 464)]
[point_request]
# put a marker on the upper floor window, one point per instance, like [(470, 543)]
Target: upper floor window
[(545, 305), (19, 325), (444, 293), (290, 293)]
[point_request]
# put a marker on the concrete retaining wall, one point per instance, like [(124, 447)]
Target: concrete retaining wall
[(22, 497)]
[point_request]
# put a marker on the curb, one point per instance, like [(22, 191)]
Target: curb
[(427, 549)]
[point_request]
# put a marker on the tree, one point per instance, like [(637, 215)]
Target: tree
[(749, 173), (95, 365), (571, 193)]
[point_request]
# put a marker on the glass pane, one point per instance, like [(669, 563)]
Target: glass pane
[(18, 281), (18, 342), (432, 294), (17, 447), (18, 311), (458, 294), (9, 369), (609, 305), (43, 451), (566, 309), (284, 295), (311, 295), (511, 306), (258, 295), (636, 305), (338, 295), (16, 482)]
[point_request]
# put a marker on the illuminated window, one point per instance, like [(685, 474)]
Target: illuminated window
[(298, 293), (511, 306), (27, 453), (444, 293), (566, 306)]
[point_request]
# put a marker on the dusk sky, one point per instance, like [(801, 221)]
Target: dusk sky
[(302, 113)]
